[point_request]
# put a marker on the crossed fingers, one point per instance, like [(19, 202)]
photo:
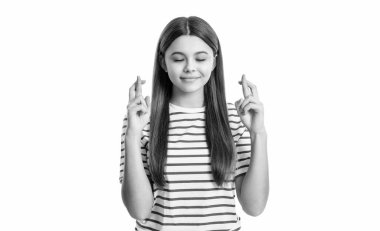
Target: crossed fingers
[(136, 89), (249, 89)]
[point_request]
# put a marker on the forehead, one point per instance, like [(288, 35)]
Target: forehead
[(188, 44)]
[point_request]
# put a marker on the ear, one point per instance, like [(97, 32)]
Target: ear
[(214, 63), (162, 62)]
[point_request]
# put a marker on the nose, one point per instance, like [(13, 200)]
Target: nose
[(190, 66)]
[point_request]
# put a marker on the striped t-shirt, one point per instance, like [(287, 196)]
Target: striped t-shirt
[(191, 200)]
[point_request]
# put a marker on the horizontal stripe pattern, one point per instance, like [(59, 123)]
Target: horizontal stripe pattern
[(191, 200)]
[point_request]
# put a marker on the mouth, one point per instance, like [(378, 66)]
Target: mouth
[(189, 79)]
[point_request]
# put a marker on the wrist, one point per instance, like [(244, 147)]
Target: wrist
[(260, 131)]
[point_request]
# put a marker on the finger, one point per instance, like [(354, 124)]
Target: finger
[(248, 100), (132, 92), (143, 102), (138, 86), (250, 106), (147, 100), (136, 101), (237, 106), (137, 108), (253, 88), (246, 91), (238, 103)]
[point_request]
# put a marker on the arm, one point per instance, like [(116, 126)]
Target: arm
[(253, 187), (136, 190)]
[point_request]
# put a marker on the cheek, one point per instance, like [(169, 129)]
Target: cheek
[(175, 69), (174, 73), (206, 69)]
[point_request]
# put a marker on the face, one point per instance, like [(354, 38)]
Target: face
[(189, 62)]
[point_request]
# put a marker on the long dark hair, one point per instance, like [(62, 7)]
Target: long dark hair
[(218, 133)]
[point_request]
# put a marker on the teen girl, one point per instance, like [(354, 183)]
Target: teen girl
[(185, 153)]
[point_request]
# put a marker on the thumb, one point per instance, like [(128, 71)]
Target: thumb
[(237, 105), (147, 100)]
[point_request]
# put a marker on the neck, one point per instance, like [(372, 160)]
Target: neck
[(190, 100)]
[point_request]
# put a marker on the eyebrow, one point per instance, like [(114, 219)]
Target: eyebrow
[(199, 52)]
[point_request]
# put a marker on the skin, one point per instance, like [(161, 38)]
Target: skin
[(136, 189), (188, 56), (138, 107), (253, 187), (182, 59)]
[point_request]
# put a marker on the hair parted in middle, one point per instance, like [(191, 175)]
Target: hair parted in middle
[(218, 133)]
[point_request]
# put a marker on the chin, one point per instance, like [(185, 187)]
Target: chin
[(191, 89)]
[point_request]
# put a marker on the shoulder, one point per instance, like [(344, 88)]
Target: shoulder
[(232, 112), (231, 108)]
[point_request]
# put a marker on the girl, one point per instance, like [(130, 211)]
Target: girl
[(185, 153)]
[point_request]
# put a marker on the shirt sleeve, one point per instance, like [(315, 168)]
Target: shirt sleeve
[(144, 149)]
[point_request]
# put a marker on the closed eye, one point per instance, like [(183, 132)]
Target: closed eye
[(180, 60)]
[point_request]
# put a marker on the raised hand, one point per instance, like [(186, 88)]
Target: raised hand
[(138, 108), (250, 109)]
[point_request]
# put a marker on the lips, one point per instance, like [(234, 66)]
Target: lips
[(189, 77)]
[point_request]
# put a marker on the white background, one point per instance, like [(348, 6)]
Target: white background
[(66, 67)]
